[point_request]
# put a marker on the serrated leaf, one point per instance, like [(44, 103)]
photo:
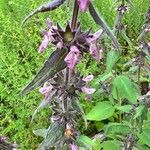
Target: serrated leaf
[(43, 104), (112, 58), (111, 145), (117, 128), (144, 137), (125, 108), (124, 88), (100, 21), (101, 111), (76, 106), (41, 132), (45, 7), (53, 65)]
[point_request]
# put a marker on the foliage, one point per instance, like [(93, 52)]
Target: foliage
[(118, 92)]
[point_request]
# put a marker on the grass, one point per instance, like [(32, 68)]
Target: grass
[(19, 60)]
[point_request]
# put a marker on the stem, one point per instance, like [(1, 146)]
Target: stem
[(75, 15), (139, 73)]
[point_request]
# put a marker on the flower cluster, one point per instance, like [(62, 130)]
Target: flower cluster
[(76, 41)]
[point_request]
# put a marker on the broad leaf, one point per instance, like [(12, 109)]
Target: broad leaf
[(111, 145), (101, 111), (53, 65), (112, 58), (141, 111), (85, 141), (45, 7), (100, 21), (124, 88), (144, 137), (125, 108), (117, 128), (41, 132)]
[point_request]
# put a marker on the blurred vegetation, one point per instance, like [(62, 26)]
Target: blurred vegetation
[(19, 60)]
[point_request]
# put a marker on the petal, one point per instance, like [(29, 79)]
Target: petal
[(94, 51), (44, 44), (73, 57), (83, 4), (73, 147), (88, 90), (88, 78), (95, 36), (49, 23)]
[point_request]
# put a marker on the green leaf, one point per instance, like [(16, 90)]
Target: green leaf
[(112, 58), (111, 145), (85, 141), (141, 111), (41, 132), (117, 128), (144, 137), (45, 7), (100, 21), (53, 65), (124, 88), (125, 108), (101, 111)]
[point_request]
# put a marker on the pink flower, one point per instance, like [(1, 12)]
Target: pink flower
[(92, 40), (83, 4), (73, 147), (73, 57), (45, 90), (87, 90)]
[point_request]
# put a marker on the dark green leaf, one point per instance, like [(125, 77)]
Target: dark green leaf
[(100, 21), (54, 135), (101, 111), (45, 7), (117, 128), (124, 88), (53, 65), (76, 106)]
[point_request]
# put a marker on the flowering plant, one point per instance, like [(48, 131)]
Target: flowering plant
[(61, 82)]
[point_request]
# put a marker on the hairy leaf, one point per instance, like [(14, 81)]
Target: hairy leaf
[(45, 7), (112, 58), (53, 65), (54, 135), (76, 106), (117, 128), (101, 111), (100, 21), (124, 88)]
